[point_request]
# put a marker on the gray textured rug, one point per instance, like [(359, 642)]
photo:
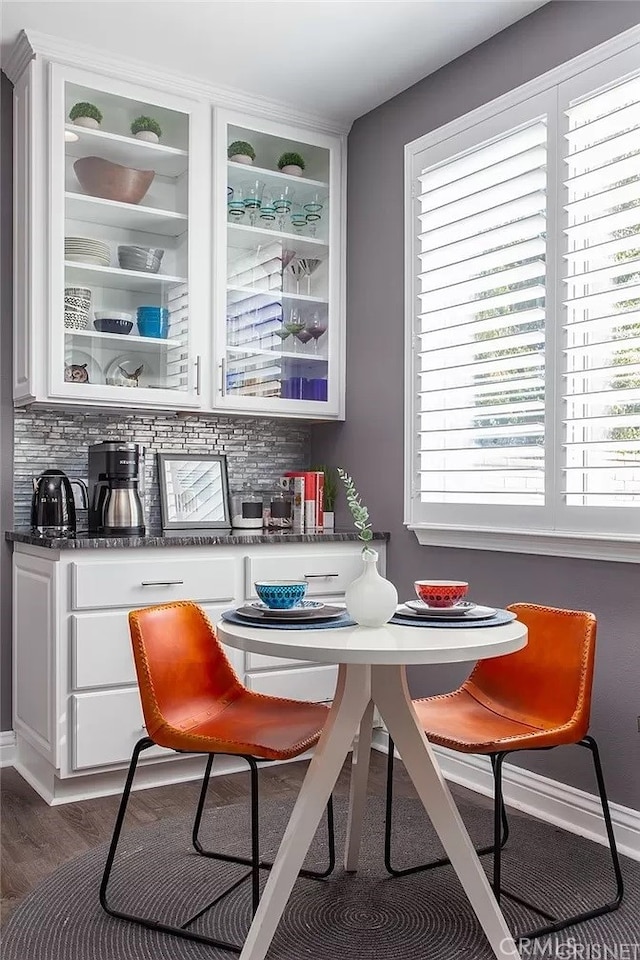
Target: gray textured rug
[(363, 917)]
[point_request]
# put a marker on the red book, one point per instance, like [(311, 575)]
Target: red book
[(313, 497)]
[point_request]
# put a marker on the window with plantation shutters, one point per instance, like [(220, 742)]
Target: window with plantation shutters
[(602, 277), (481, 324), (523, 320)]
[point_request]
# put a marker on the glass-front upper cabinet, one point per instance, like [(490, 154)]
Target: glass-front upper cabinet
[(278, 288), (129, 197)]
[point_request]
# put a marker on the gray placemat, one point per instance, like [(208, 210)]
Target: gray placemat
[(342, 621)]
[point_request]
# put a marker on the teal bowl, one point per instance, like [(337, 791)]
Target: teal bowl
[(281, 594)]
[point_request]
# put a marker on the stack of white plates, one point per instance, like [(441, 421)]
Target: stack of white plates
[(86, 250)]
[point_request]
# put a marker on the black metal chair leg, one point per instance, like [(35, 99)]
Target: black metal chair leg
[(388, 829), (248, 861), (255, 838), (178, 931)]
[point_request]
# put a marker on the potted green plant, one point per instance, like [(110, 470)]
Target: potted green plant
[(85, 115), (291, 163), (330, 494), (146, 128), (241, 152)]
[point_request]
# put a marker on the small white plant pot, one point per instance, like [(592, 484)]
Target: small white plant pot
[(329, 521), (241, 158), (89, 122), (147, 135), (292, 169)]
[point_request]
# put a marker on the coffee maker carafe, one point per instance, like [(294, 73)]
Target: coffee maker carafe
[(115, 508)]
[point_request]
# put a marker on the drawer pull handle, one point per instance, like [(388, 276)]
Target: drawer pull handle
[(319, 576), (161, 583)]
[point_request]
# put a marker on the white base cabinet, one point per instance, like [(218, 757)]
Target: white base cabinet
[(77, 712)]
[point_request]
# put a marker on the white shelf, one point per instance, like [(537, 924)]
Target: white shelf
[(116, 279), (248, 238), (119, 341), (128, 216), (166, 161), (277, 354), (245, 171), (271, 296)]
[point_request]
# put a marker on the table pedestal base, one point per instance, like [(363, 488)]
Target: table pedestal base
[(359, 688)]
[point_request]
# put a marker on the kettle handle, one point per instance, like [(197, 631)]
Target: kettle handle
[(83, 487)]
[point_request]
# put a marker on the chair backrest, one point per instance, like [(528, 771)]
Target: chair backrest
[(182, 670), (547, 683)]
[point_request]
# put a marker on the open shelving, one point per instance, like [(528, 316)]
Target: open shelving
[(128, 216), (115, 278), (128, 151)]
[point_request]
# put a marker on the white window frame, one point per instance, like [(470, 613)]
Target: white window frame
[(554, 529)]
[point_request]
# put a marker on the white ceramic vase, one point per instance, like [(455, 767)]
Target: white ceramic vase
[(90, 122), (329, 520), (292, 169), (147, 135), (241, 158), (371, 600)]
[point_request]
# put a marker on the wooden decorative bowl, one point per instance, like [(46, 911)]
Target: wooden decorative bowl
[(111, 181)]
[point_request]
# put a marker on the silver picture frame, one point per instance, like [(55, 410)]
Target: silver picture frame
[(194, 491)]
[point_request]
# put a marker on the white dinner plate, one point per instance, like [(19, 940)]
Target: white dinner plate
[(251, 611), (421, 607), (303, 609)]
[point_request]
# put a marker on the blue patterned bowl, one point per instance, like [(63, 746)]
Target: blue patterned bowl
[(281, 594)]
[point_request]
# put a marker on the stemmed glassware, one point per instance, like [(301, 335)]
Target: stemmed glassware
[(235, 204), (313, 211), (267, 211), (294, 324), (315, 329), (298, 220), (253, 199), (308, 266), (298, 269), (282, 202)]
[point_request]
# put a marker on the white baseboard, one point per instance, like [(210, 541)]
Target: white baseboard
[(549, 800), (7, 748)]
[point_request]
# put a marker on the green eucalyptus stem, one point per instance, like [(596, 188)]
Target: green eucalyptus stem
[(358, 510)]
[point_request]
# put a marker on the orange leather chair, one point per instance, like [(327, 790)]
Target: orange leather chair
[(193, 702), (535, 699)]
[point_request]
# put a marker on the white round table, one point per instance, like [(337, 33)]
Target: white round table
[(372, 671)]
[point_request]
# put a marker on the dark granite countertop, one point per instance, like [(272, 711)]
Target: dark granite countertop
[(179, 538)]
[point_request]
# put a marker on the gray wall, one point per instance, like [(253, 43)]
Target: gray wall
[(370, 442), (6, 418)]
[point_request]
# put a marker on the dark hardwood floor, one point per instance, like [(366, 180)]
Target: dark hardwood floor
[(37, 838)]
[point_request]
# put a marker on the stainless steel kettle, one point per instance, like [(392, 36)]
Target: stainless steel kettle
[(53, 509)]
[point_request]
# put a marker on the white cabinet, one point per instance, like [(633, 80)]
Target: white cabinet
[(77, 711), (244, 255)]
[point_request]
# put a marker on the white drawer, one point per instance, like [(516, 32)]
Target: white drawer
[(101, 648), (304, 683), (326, 573), (138, 583), (258, 661), (105, 728)]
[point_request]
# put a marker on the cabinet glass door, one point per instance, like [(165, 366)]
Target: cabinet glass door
[(279, 230), (123, 261)]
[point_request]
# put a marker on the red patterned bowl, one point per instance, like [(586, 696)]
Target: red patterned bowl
[(441, 593)]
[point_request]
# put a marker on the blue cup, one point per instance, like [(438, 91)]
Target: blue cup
[(281, 594), (153, 321)]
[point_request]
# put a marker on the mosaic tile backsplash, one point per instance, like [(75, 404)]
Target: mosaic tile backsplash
[(258, 450)]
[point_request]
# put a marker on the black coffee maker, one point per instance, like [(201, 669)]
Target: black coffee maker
[(115, 504), (53, 509)]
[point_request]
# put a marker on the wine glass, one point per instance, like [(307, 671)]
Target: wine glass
[(315, 328), (294, 324)]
